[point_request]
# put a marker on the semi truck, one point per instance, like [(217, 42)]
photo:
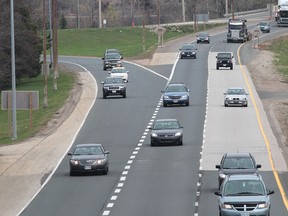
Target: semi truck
[(281, 15), (237, 31)]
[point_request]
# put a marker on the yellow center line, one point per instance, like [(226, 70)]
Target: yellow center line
[(276, 176)]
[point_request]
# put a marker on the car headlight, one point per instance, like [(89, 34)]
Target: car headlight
[(74, 162), (166, 97), (184, 96), (154, 135), (226, 206), (193, 52), (178, 134), (100, 161), (263, 205), (106, 88), (222, 176), (182, 53)]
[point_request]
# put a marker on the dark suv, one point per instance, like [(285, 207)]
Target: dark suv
[(236, 163), (188, 51), (111, 60), (175, 93), (224, 60), (114, 86), (244, 195)]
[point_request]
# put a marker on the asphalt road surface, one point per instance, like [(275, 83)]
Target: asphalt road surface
[(169, 180)]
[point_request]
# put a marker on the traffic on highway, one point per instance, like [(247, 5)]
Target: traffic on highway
[(166, 151)]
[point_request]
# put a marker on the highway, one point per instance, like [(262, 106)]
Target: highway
[(169, 180)]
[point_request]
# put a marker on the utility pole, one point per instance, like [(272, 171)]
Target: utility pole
[(100, 18), (226, 7), (45, 102), (232, 9), (55, 43), (78, 15), (158, 12), (183, 11), (50, 30), (14, 106)]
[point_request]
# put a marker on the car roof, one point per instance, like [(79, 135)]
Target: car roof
[(235, 155), (163, 120), (254, 176), (235, 88), (88, 145), (175, 84)]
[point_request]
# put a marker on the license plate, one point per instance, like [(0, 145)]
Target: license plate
[(188, 55), (114, 91), (224, 65), (244, 214), (175, 101), (87, 167)]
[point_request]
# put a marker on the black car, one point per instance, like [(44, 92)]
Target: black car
[(89, 158), (112, 86), (188, 51), (203, 37), (111, 51), (111, 60), (236, 163), (224, 60), (175, 93), (166, 132)]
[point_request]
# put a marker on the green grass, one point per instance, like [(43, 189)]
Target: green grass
[(280, 49), (56, 99)]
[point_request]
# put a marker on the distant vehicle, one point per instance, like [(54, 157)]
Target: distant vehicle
[(264, 26), (244, 195), (236, 163), (112, 86), (203, 37), (87, 158), (175, 93), (111, 51), (119, 71), (188, 51), (281, 15), (166, 132), (238, 31), (224, 59), (111, 60), (235, 96)]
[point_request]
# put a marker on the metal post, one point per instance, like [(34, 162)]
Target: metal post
[(50, 29), (14, 120), (183, 10), (226, 7), (100, 18), (78, 15)]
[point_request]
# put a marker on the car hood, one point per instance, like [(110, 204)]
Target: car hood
[(175, 93), (119, 74), (166, 131), (238, 171), (114, 84), (87, 157), (244, 199), (235, 96)]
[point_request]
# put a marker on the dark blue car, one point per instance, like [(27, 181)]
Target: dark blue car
[(175, 94)]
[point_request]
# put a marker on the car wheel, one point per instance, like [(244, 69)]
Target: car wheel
[(181, 57), (104, 95), (225, 104), (246, 105), (152, 143), (187, 104), (124, 95), (105, 172), (181, 142), (195, 57), (164, 104), (104, 68), (231, 67), (217, 67), (72, 173)]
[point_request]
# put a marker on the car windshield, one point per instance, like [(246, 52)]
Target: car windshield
[(94, 150), (112, 51), (235, 92), (235, 27), (188, 47), (238, 163), (112, 56), (118, 70), (174, 88), (244, 188), (166, 125), (224, 55), (113, 80), (263, 24)]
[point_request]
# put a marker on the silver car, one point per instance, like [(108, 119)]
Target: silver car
[(264, 26), (235, 96), (244, 195)]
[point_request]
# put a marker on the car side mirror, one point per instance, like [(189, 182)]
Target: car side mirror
[(127, 71), (180, 49), (224, 93), (269, 192), (217, 166), (218, 193), (102, 82), (106, 152), (103, 58), (162, 91), (69, 153), (216, 56), (258, 166), (149, 127), (232, 56)]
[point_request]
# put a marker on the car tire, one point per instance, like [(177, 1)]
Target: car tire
[(104, 68), (225, 104), (187, 104), (72, 173), (195, 57), (152, 144), (217, 67), (105, 172), (104, 96), (246, 105), (164, 104), (231, 67), (181, 57), (124, 95), (181, 142)]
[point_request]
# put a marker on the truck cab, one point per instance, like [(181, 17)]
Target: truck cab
[(237, 31)]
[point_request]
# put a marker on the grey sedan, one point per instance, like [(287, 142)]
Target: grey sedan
[(235, 96), (89, 158), (166, 132)]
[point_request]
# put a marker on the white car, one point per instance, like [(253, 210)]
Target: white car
[(235, 96), (119, 72)]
